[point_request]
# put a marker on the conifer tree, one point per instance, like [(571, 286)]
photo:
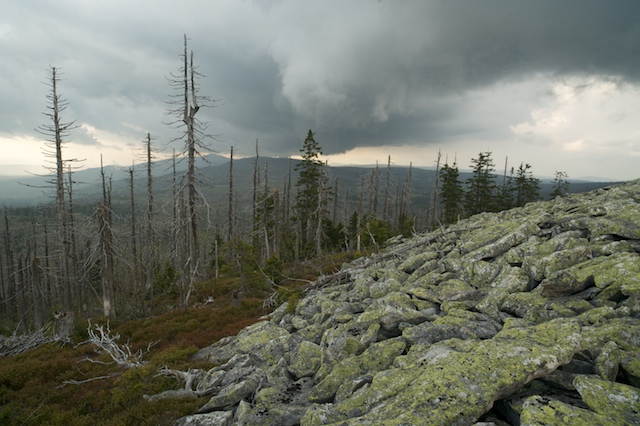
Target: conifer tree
[(479, 196), (526, 187), (309, 201), (560, 185), (451, 193)]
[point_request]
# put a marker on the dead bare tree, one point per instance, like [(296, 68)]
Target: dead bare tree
[(385, 213), (256, 185), (56, 132), (11, 275), (104, 216), (80, 291), (134, 242), (431, 220), (185, 107), (230, 222), (106, 268), (150, 240), (335, 201)]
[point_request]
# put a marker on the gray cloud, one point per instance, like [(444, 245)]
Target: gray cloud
[(360, 73)]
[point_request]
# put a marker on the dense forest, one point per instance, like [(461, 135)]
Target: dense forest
[(130, 254)]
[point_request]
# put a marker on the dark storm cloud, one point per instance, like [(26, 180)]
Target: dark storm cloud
[(360, 73)]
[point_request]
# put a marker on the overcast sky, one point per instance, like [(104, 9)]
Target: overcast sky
[(552, 83)]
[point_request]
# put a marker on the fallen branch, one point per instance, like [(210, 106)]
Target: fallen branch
[(80, 382), (121, 354), (17, 343), (190, 377)]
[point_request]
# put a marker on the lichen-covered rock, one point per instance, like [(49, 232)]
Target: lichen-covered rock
[(376, 358), (233, 394), (459, 388), (616, 400), (515, 317), (217, 418), (539, 411), (539, 268), (306, 360), (608, 362)]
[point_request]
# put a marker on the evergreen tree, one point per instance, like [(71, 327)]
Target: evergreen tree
[(560, 185), (481, 186), (310, 199), (505, 195), (451, 193), (526, 187)]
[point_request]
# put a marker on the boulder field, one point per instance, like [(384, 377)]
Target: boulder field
[(529, 316)]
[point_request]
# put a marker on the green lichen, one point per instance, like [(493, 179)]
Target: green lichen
[(454, 289), (613, 399), (460, 387), (539, 411), (377, 357), (625, 332), (608, 362), (306, 360)]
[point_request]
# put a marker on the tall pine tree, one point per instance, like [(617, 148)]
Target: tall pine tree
[(309, 200)]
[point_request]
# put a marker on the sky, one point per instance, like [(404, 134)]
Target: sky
[(553, 84)]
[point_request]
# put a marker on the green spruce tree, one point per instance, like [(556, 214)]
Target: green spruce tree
[(526, 187), (312, 194), (451, 193), (480, 193)]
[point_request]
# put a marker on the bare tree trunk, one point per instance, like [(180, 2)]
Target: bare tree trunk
[(335, 201), (3, 291), (276, 223), (183, 255), (230, 223), (256, 185), (149, 220), (11, 275), (265, 208), (134, 242), (21, 291), (216, 253), (175, 222), (359, 215), (108, 308), (38, 306), (385, 213), (36, 282), (49, 289), (345, 215), (79, 291), (287, 199), (319, 215), (106, 248), (60, 204), (431, 222), (189, 119)]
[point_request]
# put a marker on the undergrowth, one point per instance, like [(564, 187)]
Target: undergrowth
[(71, 384)]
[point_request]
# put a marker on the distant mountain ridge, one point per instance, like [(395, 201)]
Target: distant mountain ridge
[(213, 172)]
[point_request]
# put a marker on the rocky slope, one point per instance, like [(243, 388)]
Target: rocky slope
[(525, 317)]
